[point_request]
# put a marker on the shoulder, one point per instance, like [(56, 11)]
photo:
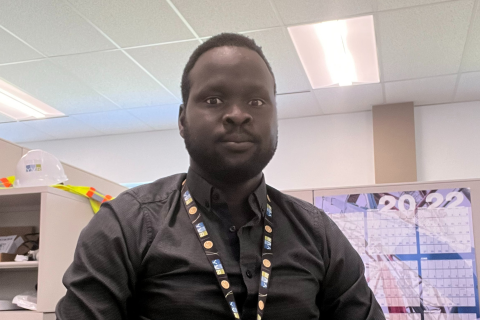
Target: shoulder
[(159, 190), (301, 210), (156, 191), (131, 202), (139, 210)]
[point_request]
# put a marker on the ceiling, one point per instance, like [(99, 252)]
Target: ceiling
[(114, 66)]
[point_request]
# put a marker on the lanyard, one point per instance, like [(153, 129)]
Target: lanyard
[(214, 256)]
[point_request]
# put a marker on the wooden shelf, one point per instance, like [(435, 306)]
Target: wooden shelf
[(19, 265)]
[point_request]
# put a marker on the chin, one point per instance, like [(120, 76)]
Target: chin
[(235, 174), (231, 169)]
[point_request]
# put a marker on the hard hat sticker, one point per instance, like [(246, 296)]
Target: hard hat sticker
[(33, 167)]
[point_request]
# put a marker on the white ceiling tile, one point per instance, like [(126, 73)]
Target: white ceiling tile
[(54, 86), (113, 122), (166, 62), (468, 87), (422, 91), (13, 50), (51, 26), (117, 77), (159, 118), (471, 56), (133, 23), (63, 128), (280, 52), (209, 17), (305, 11), (349, 98), (296, 105), (395, 4), (19, 132), (423, 41)]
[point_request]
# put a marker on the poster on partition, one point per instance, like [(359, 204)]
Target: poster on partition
[(417, 247)]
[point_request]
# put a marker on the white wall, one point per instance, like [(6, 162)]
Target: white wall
[(136, 157), (323, 151), (316, 152), (448, 141)]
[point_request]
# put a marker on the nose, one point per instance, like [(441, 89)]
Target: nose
[(237, 115)]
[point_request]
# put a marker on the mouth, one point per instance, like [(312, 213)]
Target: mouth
[(237, 146)]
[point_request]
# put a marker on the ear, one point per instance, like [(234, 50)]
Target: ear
[(181, 119)]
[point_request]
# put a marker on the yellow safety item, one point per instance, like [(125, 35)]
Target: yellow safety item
[(7, 182), (96, 198)]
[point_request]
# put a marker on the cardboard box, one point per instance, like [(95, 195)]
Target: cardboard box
[(18, 231), (4, 257)]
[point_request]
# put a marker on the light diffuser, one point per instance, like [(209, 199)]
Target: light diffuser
[(338, 53), (18, 105)]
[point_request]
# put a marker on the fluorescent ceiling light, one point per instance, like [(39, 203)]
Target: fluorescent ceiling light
[(18, 105), (338, 53)]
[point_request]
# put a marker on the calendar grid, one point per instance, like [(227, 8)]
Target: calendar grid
[(420, 262)]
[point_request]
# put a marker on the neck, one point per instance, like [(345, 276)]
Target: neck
[(235, 194)]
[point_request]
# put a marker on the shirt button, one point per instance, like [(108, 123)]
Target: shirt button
[(249, 273), (215, 197), (232, 229), (207, 205)]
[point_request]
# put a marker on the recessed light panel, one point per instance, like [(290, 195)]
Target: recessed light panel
[(338, 53), (18, 105)]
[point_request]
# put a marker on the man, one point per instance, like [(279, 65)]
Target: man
[(217, 242)]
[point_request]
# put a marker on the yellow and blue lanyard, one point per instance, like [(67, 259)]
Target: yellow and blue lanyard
[(214, 256)]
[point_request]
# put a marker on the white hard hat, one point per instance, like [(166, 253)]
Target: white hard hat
[(39, 168)]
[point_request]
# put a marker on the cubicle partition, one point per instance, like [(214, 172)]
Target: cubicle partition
[(418, 241)]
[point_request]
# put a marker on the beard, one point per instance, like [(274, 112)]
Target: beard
[(219, 169)]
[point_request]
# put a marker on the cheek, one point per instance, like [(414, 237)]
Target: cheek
[(200, 129), (272, 131)]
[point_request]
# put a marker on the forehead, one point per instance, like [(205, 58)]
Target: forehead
[(230, 62)]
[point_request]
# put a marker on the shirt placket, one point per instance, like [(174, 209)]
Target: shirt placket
[(250, 250), (248, 240)]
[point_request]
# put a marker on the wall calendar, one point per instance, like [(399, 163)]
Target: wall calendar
[(417, 247)]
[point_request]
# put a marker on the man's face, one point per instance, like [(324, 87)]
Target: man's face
[(230, 123)]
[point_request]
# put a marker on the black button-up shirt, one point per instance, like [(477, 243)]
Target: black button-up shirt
[(139, 258)]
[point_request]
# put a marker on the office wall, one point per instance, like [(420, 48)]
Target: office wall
[(316, 152), (313, 152), (326, 151), (448, 141), (136, 157)]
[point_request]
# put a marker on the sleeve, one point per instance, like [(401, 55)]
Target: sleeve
[(101, 280), (345, 293)]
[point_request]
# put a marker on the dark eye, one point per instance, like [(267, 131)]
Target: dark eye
[(256, 103), (213, 101)]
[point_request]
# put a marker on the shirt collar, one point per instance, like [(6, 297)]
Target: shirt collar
[(203, 192)]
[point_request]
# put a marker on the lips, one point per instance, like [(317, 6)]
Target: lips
[(237, 144), (237, 139)]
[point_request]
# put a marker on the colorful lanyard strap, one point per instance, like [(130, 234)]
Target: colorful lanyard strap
[(214, 257)]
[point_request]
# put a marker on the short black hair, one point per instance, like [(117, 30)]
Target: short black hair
[(220, 40)]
